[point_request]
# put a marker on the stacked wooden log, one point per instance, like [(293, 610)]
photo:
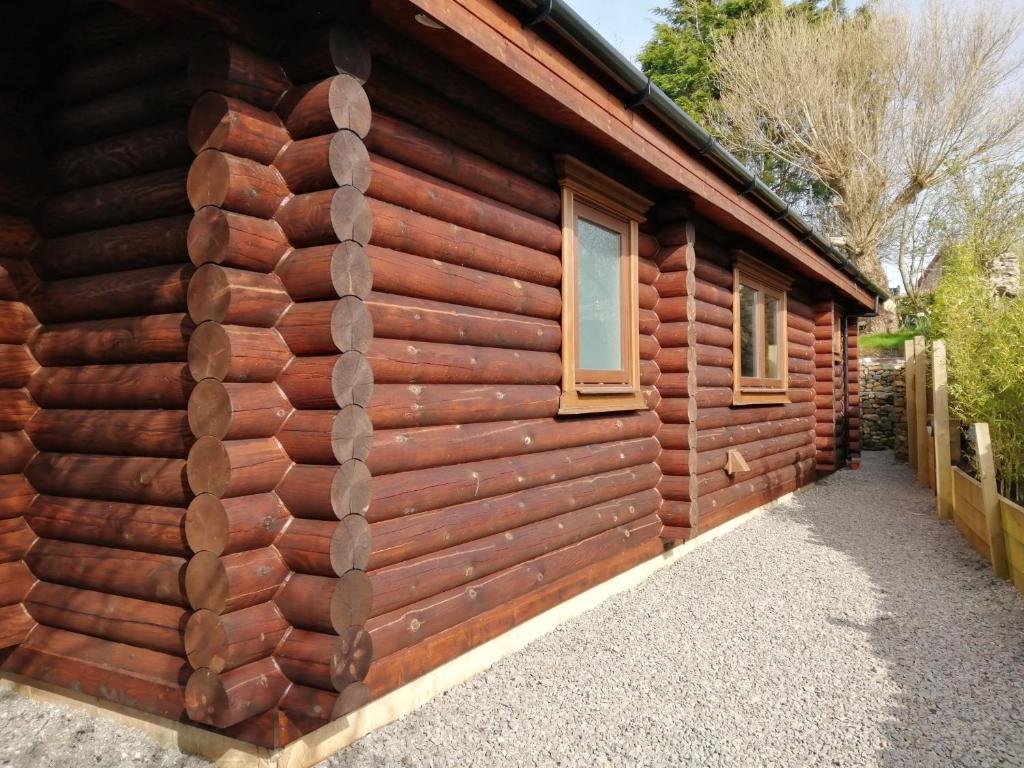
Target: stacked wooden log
[(280, 355), (776, 441), (486, 508), (107, 374), (853, 443), (829, 392), (676, 360)]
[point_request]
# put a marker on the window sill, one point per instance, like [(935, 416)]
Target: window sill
[(574, 404), (756, 397)]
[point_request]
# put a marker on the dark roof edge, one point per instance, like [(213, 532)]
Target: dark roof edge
[(571, 25)]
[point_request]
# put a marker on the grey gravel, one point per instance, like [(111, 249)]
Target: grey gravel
[(845, 627)]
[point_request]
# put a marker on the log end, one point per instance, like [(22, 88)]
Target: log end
[(351, 216), (350, 544), (209, 179), (352, 380), (351, 601), (349, 105), (206, 582), (206, 641), (351, 489), (206, 524), (351, 325), (209, 352), (208, 467), (206, 699), (349, 160), (351, 434), (351, 272), (351, 657), (209, 294), (350, 699), (209, 409)]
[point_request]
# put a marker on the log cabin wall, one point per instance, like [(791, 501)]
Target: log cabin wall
[(486, 507), (777, 441), (853, 393)]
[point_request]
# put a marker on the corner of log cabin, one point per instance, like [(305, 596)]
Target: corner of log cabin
[(280, 359)]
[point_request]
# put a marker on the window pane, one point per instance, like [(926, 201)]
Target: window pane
[(748, 331), (599, 294), (771, 338)]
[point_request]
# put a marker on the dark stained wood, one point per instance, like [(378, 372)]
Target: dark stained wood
[(235, 296), (111, 478), (235, 467), (235, 127), (149, 385), (226, 526), (216, 236), (236, 411), (222, 643), (326, 106), (232, 582), (225, 699), (233, 69)]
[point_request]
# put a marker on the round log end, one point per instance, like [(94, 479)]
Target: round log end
[(350, 106), (352, 380), (351, 435), (206, 699), (351, 600), (208, 467), (351, 216), (351, 272), (209, 352), (206, 641), (206, 524), (350, 544), (349, 160), (209, 294), (350, 699), (208, 235), (351, 489), (349, 52), (209, 409), (206, 582), (209, 179), (351, 657), (206, 121), (351, 325)]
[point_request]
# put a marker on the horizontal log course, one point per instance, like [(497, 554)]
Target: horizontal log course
[(799, 323), (307, 272), (800, 395), (153, 290), (398, 95), (221, 643), (111, 478), (712, 273), (409, 625), (413, 232), (142, 575), (328, 216), (713, 397), (716, 507), (403, 186), (673, 360), (16, 365), (146, 150), (407, 275), (327, 327), (322, 162), (15, 625), (419, 405), (15, 582), (236, 184), (423, 447), (422, 490), (676, 515), (400, 362), (708, 355), (236, 353), (716, 480), (328, 381), (236, 411), (233, 69), (16, 493), (326, 492), (16, 537), (226, 699), (140, 198), (325, 106), (235, 467), (394, 670), (674, 462), (15, 452), (411, 536), (713, 294), (647, 347), (137, 60), (751, 451), (216, 236), (327, 50), (423, 320), (727, 437), (114, 249), (120, 111), (708, 313), (152, 385), (113, 432), (713, 335), (16, 409), (227, 526), (140, 623), (674, 436), (408, 582), (236, 127), (797, 365), (796, 336), (17, 322), (232, 582), (675, 488), (649, 322), (326, 604), (134, 677), (326, 660), (236, 297), (712, 376), (714, 418), (326, 547), (152, 339), (443, 159), (143, 527), (675, 410)]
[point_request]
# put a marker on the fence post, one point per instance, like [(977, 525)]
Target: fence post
[(921, 408), (940, 399), (908, 373), (990, 500)]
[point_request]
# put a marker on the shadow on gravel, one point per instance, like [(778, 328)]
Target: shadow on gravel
[(949, 635)]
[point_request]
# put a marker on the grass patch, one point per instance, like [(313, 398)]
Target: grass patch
[(887, 340)]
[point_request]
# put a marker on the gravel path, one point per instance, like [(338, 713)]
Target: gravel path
[(846, 627)]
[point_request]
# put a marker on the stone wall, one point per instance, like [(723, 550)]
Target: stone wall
[(883, 406)]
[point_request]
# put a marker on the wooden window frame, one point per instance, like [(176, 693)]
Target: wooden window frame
[(755, 390), (593, 196)]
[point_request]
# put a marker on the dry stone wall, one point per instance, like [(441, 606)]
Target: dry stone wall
[(884, 405)]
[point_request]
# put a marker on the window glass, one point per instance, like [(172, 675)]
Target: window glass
[(748, 331), (771, 337), (599, 297)]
